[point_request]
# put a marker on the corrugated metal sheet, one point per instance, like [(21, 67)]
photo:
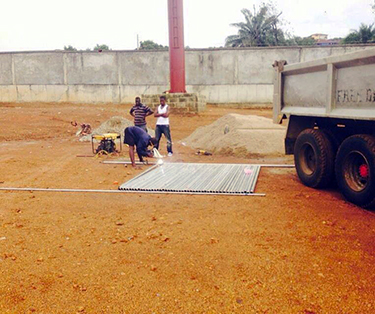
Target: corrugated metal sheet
[(196, 179)]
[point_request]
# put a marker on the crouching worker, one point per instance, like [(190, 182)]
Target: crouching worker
[(135, 136)]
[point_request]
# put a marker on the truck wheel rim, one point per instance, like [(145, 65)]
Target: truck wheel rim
[(308, 159), (356, 171)]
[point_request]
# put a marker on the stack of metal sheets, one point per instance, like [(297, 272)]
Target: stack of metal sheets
[(190, 178)]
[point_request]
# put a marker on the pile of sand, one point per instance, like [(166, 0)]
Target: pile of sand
[(240, 135), (115, 124)]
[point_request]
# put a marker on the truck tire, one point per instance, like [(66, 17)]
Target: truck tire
[(314, 158), (355, 169)]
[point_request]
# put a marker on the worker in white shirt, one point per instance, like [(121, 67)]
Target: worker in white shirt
[(162, 125)]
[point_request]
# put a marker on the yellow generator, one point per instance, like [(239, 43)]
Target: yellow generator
[(106, 143)]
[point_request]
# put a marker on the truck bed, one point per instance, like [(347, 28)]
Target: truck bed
[(334, 87)]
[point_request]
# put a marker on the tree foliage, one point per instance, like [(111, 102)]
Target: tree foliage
[(262, 27), (300, 41), (149, 44), (70, 48), (365, 34), (101, 47)]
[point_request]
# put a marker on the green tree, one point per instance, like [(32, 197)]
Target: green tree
[(261, 28), (101, 47), (70, 48), (300, 41), (365, 34), (149, 44)]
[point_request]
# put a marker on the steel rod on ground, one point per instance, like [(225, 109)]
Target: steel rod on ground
[(60, 190), (154, 163), (126, 162), (113, 191)]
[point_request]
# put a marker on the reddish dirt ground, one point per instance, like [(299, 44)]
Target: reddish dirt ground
[(296, 250)]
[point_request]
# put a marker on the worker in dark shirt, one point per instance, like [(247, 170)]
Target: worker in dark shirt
[(140, 111), (135, 136)]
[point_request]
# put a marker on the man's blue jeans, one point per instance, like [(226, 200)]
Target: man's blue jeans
[(163, 129)]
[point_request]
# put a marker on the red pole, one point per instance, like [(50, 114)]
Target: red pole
[(176, 46)]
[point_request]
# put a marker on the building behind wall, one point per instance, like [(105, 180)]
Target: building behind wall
[(319, 36)]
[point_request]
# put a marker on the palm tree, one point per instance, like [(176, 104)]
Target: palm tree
[(365, 34), (260, 29)]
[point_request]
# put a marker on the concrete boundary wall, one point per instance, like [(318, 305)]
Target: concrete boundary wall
[(240, 76)]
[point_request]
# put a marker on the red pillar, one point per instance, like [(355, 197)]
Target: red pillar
[(176, 46)]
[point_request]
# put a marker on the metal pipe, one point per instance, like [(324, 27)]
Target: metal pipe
[(244, 179), (154, 163), (127, 162), (181, 180), (201, 178), (58, 190), (220, 179), (165, 175), (251, 186), (116, 191), (228, 179), (193, 179), (209, 178), (164, 180), (234, 181), (140, 175), (215, 175)]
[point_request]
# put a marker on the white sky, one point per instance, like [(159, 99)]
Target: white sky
[(51, 24)]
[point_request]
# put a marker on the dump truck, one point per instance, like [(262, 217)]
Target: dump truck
[(330, 107)]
